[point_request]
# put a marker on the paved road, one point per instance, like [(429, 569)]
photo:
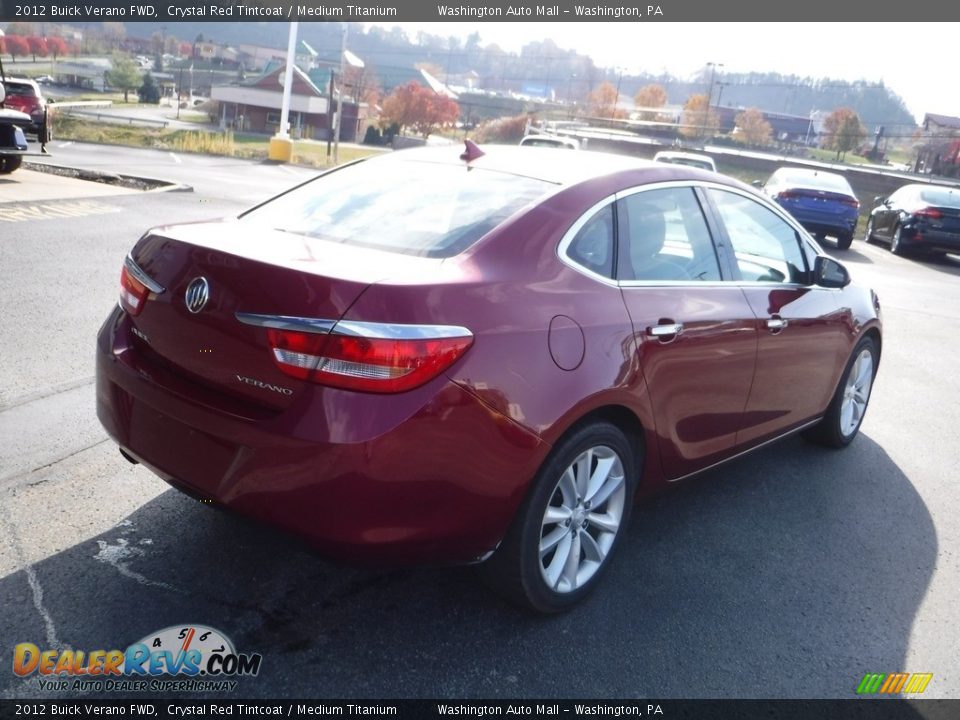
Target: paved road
[(789, 573), (213, 177)]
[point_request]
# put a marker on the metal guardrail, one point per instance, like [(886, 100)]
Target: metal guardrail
[(111, 118)]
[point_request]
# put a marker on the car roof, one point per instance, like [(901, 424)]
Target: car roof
[(21, 81), (553, 165), (549, 140), (681, 155)]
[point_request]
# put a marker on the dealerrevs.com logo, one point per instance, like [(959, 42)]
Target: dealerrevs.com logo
[(177, 658)]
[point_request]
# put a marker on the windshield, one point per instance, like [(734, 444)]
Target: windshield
[(416, 208)]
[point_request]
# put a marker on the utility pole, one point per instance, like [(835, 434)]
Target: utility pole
[(330, 111), (616, 102), (713, 74), (339, 116)]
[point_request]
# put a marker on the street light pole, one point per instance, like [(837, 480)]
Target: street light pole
[(280, 148)]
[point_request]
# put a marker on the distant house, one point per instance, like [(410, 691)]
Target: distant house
[(946, 125), (255, 107), (940, 153), (257, 57)]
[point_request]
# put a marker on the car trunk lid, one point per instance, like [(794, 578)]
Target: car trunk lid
[(248, 271)]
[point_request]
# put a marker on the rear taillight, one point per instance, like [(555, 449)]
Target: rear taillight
[(929, 214), (369, 357), (135, 287), (787, 195), (133, 293), (851, 202)]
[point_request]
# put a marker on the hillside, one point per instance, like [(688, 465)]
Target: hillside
[(541, 67)]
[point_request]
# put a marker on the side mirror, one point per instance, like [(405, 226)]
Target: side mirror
[(829, 273), (757, 183), (880, 200)]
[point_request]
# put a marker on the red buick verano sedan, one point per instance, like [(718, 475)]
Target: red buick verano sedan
[(435, 357)]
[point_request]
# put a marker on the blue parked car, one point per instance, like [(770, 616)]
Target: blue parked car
[(822, 202)]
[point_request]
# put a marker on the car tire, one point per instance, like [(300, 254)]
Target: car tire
[(896, 243), (9, 163), (841, 423), (868, 233), (559, 545), (844, 241)]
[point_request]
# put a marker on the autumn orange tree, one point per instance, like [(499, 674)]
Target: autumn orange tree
[(753, 128), (57, 47), (38, 46), (650, 96), (603, 101), (699, 121), (413, 105), (15, 45), (842, 130)]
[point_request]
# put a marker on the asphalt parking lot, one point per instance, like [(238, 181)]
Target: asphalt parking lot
[(790, 572)]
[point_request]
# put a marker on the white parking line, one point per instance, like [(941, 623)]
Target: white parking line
[(68, 143), (176, 159)]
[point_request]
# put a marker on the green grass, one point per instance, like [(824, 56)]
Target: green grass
[(199, 141)]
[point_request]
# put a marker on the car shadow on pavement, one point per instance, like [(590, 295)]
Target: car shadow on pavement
[(789, 573), (949, 264), (850, 255)]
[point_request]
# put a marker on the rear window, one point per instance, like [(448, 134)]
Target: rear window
[(409, 207), (941, 197), (20, 89), (823, 181)]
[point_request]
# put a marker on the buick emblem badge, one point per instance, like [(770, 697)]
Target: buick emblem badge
[(198, 292)]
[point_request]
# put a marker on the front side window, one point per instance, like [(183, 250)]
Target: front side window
[(765, 246), (664, 236)]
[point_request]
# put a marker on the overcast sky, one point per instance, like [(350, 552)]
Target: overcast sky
[(916, 60)]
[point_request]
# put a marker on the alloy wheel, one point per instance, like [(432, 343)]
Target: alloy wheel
[(856, 393), (582, 519)]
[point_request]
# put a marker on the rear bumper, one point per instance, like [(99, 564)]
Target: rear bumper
[(834, 228), (931, 240), (820, 223), (441, 485)]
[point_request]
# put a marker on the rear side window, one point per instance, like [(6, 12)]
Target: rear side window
[(766, 247), (664, 236), (592, 246), (415, 208)]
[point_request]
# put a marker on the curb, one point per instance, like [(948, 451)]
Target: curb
[(110, 178)]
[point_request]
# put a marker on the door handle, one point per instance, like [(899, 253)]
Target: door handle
[(665, 330), (777, 323)]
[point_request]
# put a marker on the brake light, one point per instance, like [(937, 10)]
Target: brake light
[(851, 202), (133, 293), (787, 195), (929, 214), (373, 362)]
